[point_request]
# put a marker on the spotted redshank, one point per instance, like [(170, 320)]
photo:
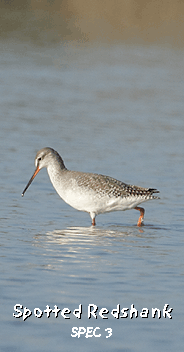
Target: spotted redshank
[(92, 193)]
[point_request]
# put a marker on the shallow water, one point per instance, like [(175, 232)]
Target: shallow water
[(115, 110)]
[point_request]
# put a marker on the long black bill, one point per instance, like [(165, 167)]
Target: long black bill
[(31, 179)]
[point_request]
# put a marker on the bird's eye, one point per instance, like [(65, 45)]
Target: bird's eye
[(39, 159)]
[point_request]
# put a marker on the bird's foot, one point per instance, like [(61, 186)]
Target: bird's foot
[(141, 217)]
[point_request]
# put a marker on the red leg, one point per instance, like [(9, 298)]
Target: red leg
[(141, 217), (93, 222)]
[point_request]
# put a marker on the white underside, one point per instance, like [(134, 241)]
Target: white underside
[(88, 200), (91, 201)]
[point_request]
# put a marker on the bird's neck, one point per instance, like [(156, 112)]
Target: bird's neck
[(56, 170)]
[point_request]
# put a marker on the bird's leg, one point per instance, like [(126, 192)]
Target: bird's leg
[(93, 222), (141, 217)]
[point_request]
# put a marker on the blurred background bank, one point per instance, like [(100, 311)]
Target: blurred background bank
[(132, 21)]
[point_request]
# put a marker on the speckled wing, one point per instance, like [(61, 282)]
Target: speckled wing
[(106, 185)]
